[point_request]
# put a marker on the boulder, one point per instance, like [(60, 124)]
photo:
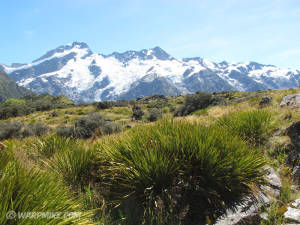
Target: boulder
[(296, 175), (291, 100), (247, 210), (293, 158), (293, 132), (292, 214), (274, 182), (265, 101)]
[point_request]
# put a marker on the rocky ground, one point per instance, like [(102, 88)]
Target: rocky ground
[(258, 208)]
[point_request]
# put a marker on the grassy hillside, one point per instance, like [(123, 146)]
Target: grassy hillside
[(9, 89), (153, 160)]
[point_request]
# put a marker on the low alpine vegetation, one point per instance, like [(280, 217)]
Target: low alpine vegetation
[(160, 170), (175, 169), (73, 164), (137, 112), (32, 103), (25, 191), (46, 147), (17, 129), (154, 115), (251, 125), (86, 127), (194, 102)]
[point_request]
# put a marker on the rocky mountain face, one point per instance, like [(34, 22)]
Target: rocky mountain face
[(75, 71), (9, 88)]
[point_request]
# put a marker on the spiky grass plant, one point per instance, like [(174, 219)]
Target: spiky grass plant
[(47, 146), (73, 164), (252, 125), (201, 168), (28, 192)]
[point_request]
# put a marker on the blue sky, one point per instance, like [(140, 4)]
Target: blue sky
[(266, 31)]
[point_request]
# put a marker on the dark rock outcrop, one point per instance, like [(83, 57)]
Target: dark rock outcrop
[(265, 101), (293, 158), (293, 132)]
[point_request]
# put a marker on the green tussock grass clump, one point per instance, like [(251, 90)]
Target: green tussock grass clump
[(251, 125), (73, 163), (174, 165), (47, 146), (32, 191)]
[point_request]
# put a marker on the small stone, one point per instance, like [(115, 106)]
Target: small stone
[(273, 178), (296, 203), (264, 215), (294, 188), (292, 214)]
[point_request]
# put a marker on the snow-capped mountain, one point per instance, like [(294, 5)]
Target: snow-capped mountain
[(75, 71)]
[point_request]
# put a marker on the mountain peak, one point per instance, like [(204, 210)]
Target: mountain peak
[(77, 44), (63, 48), (145, 54), (159, 53)]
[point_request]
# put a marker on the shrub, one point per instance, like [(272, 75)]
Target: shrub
[(110, 128), (193, 102), (251, 125), (105, 105), (86, 127), (157, 104), (11, 130), (29, 104), (155, 114), (137, 112), (132, 102), (121, 103), (35, 129), (172, 166), (33, 191), (172, 108), (54, 114), (65, 131), (16, 129), (13, 109)]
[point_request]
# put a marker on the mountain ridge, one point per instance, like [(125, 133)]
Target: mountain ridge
[(75, 71), (9, 89)]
